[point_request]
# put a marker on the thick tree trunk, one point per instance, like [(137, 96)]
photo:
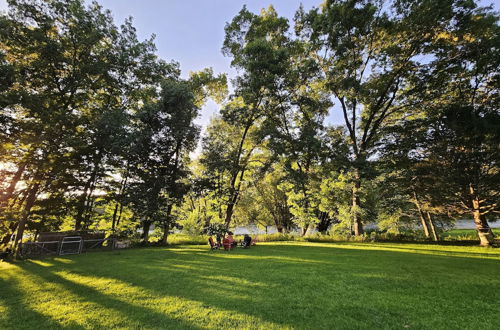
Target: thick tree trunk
[(30, 201), (146, 225), (166, 226), (304, 230), (435, 236), (88, 210), (422, 216), (229, 214), (164, 238), (356, 205), (483, 229), (234, 198), (424, 224), (205, 216), (82, 201)]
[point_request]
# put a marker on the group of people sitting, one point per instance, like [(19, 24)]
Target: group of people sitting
[(229, 242)]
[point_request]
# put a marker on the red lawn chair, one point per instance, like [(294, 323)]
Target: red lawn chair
[(227, 244)]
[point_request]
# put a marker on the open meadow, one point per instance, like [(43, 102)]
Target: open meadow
[(272, 285)]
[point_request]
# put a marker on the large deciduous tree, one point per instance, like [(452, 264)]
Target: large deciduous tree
[(77, 79), (368, 52)]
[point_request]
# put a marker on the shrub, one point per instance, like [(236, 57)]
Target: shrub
[(182, 239), (277, 237)]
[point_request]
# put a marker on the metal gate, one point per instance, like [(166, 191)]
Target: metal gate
[(71, 245), (68, 245)]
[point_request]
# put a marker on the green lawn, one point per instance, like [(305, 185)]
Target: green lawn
[(273, 285)]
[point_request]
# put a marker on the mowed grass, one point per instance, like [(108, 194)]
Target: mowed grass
[(273, 285)]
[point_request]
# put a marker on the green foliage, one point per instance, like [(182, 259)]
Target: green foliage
[(204, 85), (395, 222), (216, 229), (180, 239)]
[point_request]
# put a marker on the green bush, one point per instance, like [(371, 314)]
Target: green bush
[(276, 237), (335, 237), (183, 239)]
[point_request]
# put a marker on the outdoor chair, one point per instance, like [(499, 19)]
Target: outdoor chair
[(227, 244), (246, 242), (213, 245)]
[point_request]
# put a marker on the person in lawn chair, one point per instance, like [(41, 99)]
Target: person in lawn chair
[(213, 245), (229, 242), (247, 241)]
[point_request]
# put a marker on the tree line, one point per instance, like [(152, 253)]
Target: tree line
[(97, 132)]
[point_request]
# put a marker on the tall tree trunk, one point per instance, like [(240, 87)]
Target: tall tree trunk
[(229, 214), (146, 225), (424, 224), (115, 212), (88, 210), (234, 197), (435, 236), (232, 200), (164, 238), (166, 225), (30, 201), (205, 217), (483, 229), (304, 230), (356, 205), (83, 204), (422, 216), (234, 176), (119, 215), (119, 204)]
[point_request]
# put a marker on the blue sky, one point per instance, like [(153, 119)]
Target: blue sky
[(191, 32)]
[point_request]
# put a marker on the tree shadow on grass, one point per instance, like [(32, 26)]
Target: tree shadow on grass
[(223, 294), (228, 285), (19, 312), (133, 315), (354, 287)]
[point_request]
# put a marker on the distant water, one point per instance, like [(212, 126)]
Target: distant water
[(469, 224), (254, 230)]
